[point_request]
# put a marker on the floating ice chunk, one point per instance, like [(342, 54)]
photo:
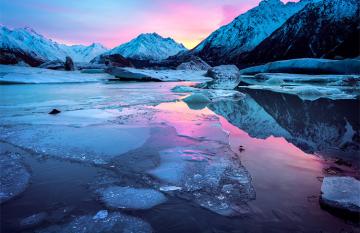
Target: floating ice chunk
[(33, 220), (197, 101), (14, 177), (101, 214), (169, 188), (113, 222), (307, 66), (214, 182), (341, 193), (96, 144), (226, 77), (183, 89), (132, 198), (197, 98)]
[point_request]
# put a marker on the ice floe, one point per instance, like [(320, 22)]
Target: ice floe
[(307, 66), (14, 177), (113, 222), (341, 193), (131, 198), (168, 75), (226, 77), (213, 181), (96, 144), (307, 87)]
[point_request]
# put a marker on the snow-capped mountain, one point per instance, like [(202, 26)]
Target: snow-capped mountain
[(24, 44), (148, 46), (83, 53), (246, 31), (323, 29)]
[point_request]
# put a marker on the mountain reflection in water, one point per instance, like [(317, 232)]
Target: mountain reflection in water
[(324, 126)]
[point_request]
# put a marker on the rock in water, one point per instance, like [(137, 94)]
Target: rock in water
[(14, 177), (341, 193), (132, 198), (69, 64), (54, 111), (226, 77)]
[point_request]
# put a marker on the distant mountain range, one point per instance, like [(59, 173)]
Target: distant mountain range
[(24, 44), (271, 31)]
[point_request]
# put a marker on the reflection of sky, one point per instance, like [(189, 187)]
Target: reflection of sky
[(112, 22)]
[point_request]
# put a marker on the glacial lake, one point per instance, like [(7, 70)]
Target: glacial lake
[(253, 163)]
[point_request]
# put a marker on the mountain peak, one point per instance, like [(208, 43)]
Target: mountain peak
[(270, 2), (149, 46)]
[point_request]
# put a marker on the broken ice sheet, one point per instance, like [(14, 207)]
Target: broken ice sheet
[(130, 198), (113, 222), (97, 144), (14, 177), (214, 181)]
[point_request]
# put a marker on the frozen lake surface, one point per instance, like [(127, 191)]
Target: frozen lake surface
[(125, 156)]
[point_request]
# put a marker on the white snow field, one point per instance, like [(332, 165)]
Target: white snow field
[(30, 75)]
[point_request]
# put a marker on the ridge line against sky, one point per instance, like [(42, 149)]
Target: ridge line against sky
[(113, 22)]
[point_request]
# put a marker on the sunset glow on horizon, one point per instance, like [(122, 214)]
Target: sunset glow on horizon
[(114, 22)]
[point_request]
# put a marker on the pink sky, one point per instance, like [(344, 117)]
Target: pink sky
[(114, 22)]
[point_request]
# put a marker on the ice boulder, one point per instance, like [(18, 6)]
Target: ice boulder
[(197, 101), (195, 64), (127, 75), (14, 177), (131, 198), (225, 77), (53, 65), (307, 66), (341, 193), (113, 222)]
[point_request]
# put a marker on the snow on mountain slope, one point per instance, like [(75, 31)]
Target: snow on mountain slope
[(323, 29), (83, 53), (246, 31), (25, 41), (148, 46)]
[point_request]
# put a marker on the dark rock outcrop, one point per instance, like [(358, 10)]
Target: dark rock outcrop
[(112, 60), (69, 64), (12, 57)]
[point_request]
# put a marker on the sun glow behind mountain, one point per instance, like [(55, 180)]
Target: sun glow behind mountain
[(116, 22)]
